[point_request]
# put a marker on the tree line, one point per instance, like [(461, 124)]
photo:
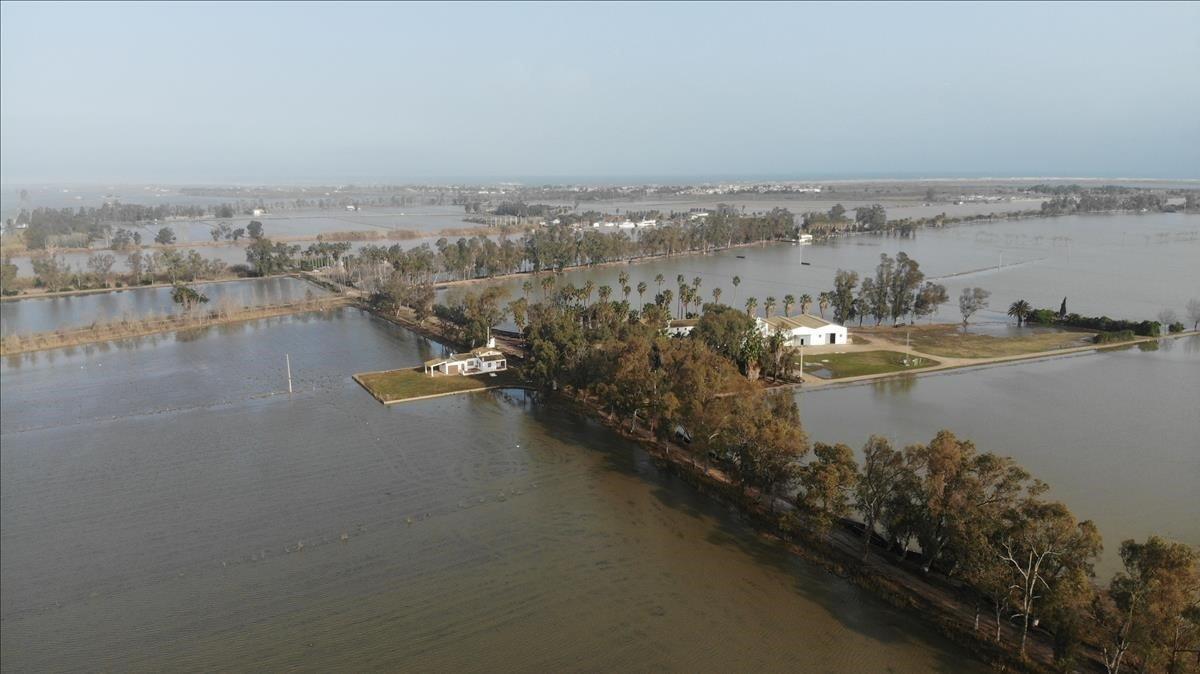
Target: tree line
[(980, 521)]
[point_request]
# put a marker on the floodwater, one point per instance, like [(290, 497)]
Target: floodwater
[(1123, 266), (1115, 433), (165, 507), (32, 315)]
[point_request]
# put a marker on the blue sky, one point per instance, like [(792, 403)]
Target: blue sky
[(309, 92)]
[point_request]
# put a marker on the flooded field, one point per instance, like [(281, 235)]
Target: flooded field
[(1114, 433), (165, 507), (1126, 266), (32, 315)]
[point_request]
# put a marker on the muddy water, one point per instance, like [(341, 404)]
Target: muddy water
[(164, 507), (52, 313), (1115, 433)]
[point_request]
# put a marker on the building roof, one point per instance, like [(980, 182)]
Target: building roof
[(483, 352), (792, 322), (683, 322)]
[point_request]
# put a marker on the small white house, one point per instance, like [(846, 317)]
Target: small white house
[(681, 327), (477, 361), (804, 330)]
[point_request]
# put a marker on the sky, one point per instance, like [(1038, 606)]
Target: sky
[(258, 93)]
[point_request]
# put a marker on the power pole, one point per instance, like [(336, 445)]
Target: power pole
[(288, 359)]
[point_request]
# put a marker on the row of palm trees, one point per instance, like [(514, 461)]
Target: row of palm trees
[(689, 294)]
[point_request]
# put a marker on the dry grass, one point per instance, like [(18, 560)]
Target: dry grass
[(949, 341)]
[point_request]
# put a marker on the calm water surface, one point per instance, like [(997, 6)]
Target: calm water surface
[(1115, 434), (1128, 266), (164, 507), (51, 313)]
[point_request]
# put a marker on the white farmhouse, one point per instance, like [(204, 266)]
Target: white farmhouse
[(804, 330), (477, 361)]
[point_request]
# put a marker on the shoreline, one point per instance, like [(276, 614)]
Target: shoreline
[(947, 363)]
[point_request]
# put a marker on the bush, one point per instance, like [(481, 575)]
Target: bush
[(1177, 326), (1110, 337)]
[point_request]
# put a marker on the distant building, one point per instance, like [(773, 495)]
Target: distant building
[(647, 223), (804, 330), (681, 327), (476, 361), (258, 211)]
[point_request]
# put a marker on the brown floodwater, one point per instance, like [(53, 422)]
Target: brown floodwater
[(1115, 433), (163, 506)]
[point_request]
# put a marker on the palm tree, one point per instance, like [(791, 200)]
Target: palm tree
[(823, 302), (626, 290), (527, 287), (737, 281), (680, 279), (605, 292), (1020, 310), (716, 295), (768, 305), (623, 278), (547, 284), (588, 289), (696, 282), (660, 280), (805, 303), (789, 301), (751, 305), (685, 297), (641, 288)]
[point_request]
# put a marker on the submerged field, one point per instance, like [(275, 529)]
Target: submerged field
[(167, 505)]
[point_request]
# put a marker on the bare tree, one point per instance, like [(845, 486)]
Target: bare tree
[(970, 301), (1193, 312)]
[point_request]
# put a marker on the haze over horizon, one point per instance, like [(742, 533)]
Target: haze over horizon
[(277, 93)]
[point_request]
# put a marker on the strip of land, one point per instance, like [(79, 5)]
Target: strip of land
[(126, 329), (408, 384), (860, 363)]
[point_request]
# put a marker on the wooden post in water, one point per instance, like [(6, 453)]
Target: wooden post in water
[(288, 359)]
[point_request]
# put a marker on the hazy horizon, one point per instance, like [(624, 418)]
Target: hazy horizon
[(261, 94)]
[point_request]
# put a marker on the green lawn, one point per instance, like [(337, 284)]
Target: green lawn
[(858, 363), (398, 385)]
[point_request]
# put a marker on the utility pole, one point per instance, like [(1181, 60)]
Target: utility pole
[(288, 358)]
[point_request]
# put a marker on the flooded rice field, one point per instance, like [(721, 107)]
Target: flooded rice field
[(165, 506), (26, 316), (1123, 266), (1114, 433)]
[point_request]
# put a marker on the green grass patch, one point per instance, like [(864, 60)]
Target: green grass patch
[(399, 385), (950, 342), (858, 363)]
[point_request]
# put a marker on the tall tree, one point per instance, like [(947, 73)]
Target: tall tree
[(882, 469)]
